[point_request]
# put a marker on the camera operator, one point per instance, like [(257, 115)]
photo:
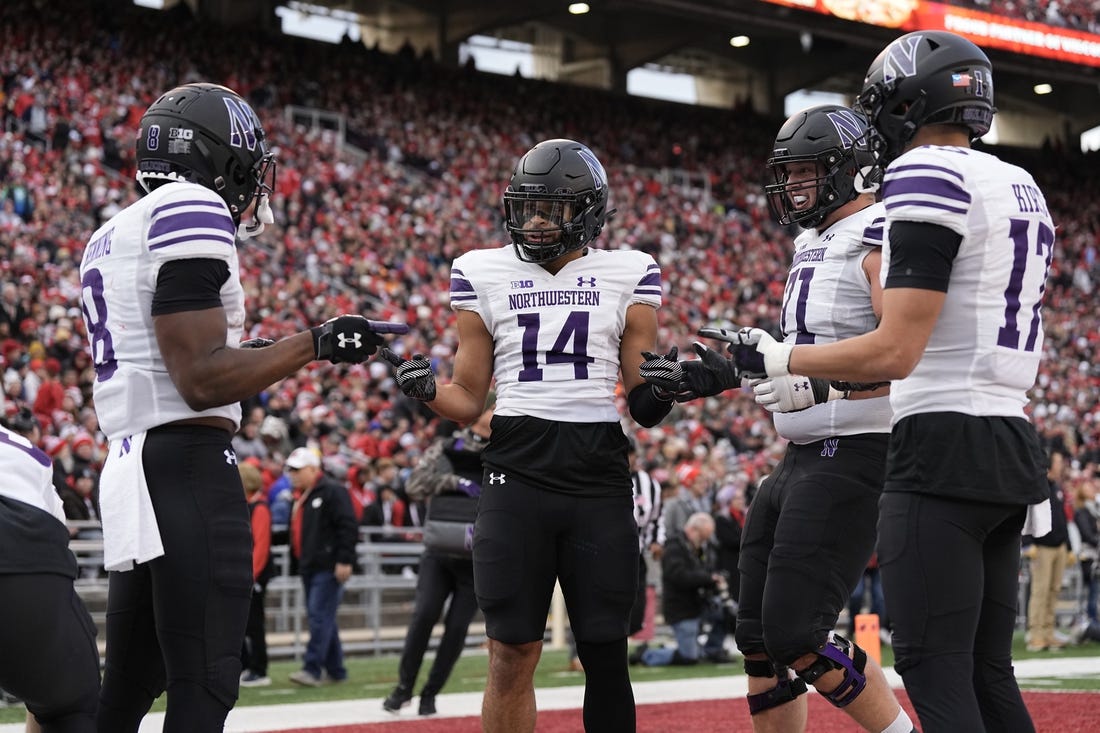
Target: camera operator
[(690, 582)]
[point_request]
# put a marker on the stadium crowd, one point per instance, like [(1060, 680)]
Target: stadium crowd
[(1080, 15), (373, 228)]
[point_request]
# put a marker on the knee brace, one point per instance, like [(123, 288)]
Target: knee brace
[(839, 653), (785, 690)]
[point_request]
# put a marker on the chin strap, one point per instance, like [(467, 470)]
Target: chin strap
[(261, 217)]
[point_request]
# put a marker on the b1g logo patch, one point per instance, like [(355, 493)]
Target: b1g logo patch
[(179, 140)]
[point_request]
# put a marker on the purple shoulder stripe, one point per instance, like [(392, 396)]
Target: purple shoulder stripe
[(172, 223), (926, 186), (193, 238), (461, 285), (924, 205), (921, 167), (180, 204)]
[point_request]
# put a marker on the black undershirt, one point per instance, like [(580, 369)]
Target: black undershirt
[(921, 255), (189, 285)]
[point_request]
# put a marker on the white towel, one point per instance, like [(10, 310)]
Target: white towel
[(1039, 519), (130, 531)]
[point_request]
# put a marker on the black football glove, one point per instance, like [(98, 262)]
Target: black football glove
[(710, 374), (351, 339), (414, 376)]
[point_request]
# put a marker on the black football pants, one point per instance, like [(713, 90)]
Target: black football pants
[(950, 574)]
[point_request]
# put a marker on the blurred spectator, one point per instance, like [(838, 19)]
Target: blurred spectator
[(12, 311), (323, 538), (729, 521), (80, 497), (690, 579), (448, 476), (254, 651), (648, 508), (1048, 562), (247, 443), (870, 583), (1086, 516), (690, 499)]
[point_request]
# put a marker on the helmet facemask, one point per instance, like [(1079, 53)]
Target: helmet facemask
[(808, 199), (546, 226), (263, 175), (891, 130)]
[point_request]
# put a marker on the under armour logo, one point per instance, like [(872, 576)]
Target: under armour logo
[(230, 456), (496, 478), (799, 386), (589, 281), (830, 447), (355, 340)]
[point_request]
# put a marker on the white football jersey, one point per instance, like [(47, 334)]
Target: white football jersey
[(28, 474), (828, 298), (984, 351), (555, 337), (118, 276)]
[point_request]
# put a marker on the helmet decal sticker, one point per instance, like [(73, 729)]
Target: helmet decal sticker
[(594, 167), (152, 137), (901, 58), (242, 123), (849, 128)]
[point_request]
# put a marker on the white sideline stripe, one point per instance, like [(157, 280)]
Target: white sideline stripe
[(255, 718)]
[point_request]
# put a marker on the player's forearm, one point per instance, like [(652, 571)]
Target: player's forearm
[(456, 402), (229, 375), (866, 358)]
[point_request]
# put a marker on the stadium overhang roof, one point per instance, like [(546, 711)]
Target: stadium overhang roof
[(791, 49)]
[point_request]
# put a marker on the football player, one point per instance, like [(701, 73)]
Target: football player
[(810, 530), (50, 659), (969, 243), (164, 308), (554, 321)]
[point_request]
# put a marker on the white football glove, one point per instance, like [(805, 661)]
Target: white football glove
[(792, 392), (755, 353)]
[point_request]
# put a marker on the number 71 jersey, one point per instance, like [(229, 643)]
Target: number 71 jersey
[(984, 351), (555, 337)]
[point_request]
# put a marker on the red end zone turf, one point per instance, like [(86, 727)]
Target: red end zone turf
[(1053, 712)]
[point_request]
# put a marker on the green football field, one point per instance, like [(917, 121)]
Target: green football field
[(374, 677)]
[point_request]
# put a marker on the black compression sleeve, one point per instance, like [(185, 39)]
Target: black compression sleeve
[(921, 255), (646, 407), (189, 285)]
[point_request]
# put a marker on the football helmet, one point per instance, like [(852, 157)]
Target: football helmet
[(206, 134), (925, 78), (556, 201), (833, 140)]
